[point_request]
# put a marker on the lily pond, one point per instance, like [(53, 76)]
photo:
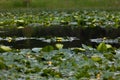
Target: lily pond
[(59, 45)]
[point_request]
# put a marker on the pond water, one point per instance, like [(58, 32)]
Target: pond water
[(30, 37), (24, 42), (68, 42)]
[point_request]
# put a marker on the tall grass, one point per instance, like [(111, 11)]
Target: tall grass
[(62, 4)]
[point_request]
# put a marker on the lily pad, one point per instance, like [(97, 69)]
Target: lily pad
[(5, 48), (59, 46), (96, 58), (102, 47)]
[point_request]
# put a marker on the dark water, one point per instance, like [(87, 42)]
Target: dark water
[(24, 42), (29, 37)]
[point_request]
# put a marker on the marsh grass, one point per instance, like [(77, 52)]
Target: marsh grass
[(53, 4)]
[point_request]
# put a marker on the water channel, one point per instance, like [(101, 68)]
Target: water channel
[(32, 38)]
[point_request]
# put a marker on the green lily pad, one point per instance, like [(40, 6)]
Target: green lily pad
[(5, 48), (59, 46), (47, 48), (102, 47), (96, 58)]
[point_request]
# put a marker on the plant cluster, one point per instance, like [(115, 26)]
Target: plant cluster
[(85, 63), (22, 18), (56, 62)]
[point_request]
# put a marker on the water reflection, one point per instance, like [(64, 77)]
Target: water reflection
[(68, 42), (114, 42), (111, 41), (31, 42)]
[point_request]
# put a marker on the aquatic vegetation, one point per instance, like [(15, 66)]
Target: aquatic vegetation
[(34, 18), (49, 63), (55, 61)]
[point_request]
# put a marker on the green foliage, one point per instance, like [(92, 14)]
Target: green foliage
[(37, 18), (47, 48), (2, 63), (96, 58), (102, 47), (5, 48), (59, 46), (39, 23), (69, 64), (60, 64)]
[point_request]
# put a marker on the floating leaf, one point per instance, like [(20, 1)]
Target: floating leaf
[(5, 48), (2, 65), (102, 47), (36, 49), (96, 58), (108, 46), (109, 56), (59, 46), (47, 48), (78, 50), (108, 75)]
